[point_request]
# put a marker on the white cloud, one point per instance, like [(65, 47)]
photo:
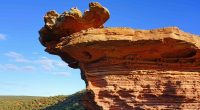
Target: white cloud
[(61, 64), (13, 67), (1, 66), (2, 36), (46, 63), (65, 74), (50, 64), (10, 67), (35, 53), (28, 68), (16, 57)]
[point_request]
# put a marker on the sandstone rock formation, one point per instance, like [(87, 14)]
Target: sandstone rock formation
[(61, 25), (128, 69)]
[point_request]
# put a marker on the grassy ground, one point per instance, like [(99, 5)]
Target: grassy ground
[(41, 103)]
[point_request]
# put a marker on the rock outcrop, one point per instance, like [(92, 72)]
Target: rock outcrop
[(61, 25), (128, 69)]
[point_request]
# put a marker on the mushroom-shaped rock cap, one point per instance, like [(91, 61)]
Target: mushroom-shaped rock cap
[(78, 38), (168, 48), (62, 25)]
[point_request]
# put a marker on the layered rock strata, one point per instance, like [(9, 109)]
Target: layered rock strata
[(128, 69)]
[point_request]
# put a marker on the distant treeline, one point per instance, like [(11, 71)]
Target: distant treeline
[(41, 103)]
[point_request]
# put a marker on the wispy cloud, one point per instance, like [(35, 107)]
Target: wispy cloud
[(65, 74), (13, 67), (10, 67), (28, 68), (50, 64), (16, 57), (22, 63), (60, 64), (46, 63), (2, 36)]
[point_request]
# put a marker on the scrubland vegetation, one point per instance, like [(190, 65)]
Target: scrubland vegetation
[(41, 103)]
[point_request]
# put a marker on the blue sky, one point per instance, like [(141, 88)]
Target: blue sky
[(25, 69)]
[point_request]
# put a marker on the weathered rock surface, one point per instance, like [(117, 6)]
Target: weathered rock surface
[(61, 25), (127, 69)]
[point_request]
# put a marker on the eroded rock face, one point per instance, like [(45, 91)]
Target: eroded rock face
[(61, 25), (127, 69)]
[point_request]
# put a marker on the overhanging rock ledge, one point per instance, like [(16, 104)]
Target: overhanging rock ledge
[(124, 68)]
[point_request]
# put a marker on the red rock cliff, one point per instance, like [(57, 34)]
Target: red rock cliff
[(126, 69)]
